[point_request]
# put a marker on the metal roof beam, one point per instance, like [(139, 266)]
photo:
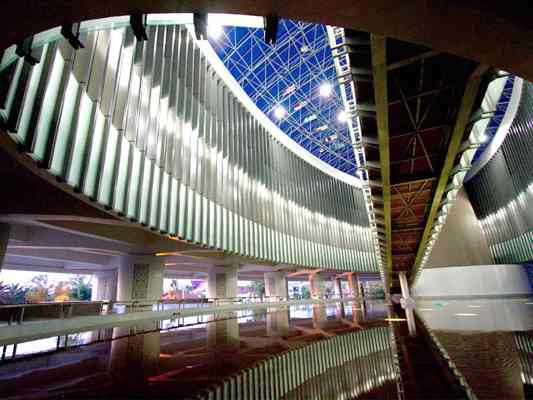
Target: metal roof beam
[(379, 72), (463, 118)]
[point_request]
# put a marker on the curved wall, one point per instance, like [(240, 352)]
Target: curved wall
[(502, 192), (148, 129)]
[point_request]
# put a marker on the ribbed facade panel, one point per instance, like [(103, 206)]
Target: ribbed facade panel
[(502, 192), (148, 129)]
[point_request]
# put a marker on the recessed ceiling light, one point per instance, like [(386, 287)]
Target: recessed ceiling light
[(325, 89), (466, 315), (215, 31), (279, 112)]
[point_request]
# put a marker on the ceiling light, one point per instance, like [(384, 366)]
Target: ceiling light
[(342, 116), (325, 89), (279, 112), (215, 31)]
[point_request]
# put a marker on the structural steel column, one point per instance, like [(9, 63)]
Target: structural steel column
[(276, 285), (4, 239), (140, 278), (222, 281)]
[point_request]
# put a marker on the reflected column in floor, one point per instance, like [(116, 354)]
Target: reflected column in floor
[(278, 323), (223, 335), (319, 316), (134, 358)]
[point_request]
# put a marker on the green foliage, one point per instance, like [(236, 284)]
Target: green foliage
[(40, 290), (306, 293), (257, 288), (80, 288), (12, 293)]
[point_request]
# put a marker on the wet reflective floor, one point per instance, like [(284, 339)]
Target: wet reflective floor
[(338, 351)]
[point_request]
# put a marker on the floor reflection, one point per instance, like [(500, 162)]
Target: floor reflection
[(341, 351), (186, 356), (488, 342)]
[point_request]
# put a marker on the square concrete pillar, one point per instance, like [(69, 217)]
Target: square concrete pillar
[(140, 278), (338, 287), (276, 285), (356, 289), (104, 286), (317, 285), (222, 281)]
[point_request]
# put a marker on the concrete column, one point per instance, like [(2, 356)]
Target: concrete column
[(404, 285), (104, 285), (338, 287), (4, 238), (140, 278), (355, 285), (317, 285), (222, 281), (276, 285)]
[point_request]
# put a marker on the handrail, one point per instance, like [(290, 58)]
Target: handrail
[(15, 312)]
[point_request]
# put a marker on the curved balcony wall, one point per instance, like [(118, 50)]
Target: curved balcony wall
[(502, 192), (149, 130)]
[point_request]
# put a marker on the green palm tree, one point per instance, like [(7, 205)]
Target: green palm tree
[(12, 293)]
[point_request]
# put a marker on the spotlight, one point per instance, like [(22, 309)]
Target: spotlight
[(342, 116), (279, 112), (215, 31), (325, 89)]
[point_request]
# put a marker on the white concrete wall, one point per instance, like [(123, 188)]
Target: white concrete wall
[(472, 280), (461, 241)]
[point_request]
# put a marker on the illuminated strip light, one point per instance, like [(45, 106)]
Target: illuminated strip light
[(336, 37)]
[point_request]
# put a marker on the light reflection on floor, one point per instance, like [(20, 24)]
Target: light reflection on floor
[(176, 356)]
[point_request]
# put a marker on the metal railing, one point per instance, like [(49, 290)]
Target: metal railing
[(18, 313)]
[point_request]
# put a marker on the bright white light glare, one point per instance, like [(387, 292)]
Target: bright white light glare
[(215, 31), (466, 315), (325, 89), (279, 112), (342, 116)]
